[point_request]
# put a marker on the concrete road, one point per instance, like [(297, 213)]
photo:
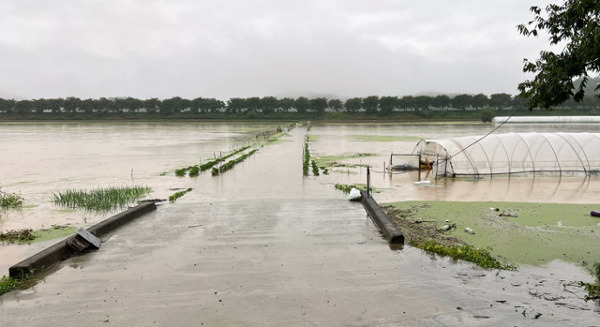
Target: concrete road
[(261, 246)]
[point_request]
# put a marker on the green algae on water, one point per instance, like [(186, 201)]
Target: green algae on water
[(522, 233)]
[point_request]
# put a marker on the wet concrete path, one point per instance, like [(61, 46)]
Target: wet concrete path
[(242, 250)]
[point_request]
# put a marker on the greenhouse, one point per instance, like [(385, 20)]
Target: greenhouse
[(512, 153)]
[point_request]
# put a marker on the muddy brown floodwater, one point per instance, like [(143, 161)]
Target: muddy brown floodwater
[(261, 245)]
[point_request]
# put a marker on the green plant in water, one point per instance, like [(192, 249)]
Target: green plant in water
[(230, 164), (306, 161), (10, 200), (593, 289), (101, 199), (8, 284), (180, 172), (17, 236), (480, 257), (179, 194), (315, 168)]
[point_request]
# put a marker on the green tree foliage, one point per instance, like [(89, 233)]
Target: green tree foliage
[(318, 106), (335, 104), (487, 114), (371, 104), (353, 104), (387, 105), (576, 24), (302, 104)]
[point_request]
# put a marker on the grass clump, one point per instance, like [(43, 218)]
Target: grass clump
[(230, 164), (17, 236), (179, 194), (480, 257), (8, 284), (101, 199), (10, 200)]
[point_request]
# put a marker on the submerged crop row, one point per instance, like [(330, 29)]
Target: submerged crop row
[(101, 199), (179, 194), (194, 171), (230, 164)]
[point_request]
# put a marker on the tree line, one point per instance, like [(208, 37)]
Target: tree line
[(254, 107)]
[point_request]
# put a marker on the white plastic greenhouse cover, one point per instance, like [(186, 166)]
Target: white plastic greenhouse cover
[(545, 119), (513, 153)]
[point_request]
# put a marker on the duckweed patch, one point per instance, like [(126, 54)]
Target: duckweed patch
[(103, 199), (521, 233)]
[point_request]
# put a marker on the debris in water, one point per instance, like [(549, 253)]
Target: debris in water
[(468, 230)]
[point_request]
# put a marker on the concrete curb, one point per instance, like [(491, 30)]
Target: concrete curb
[(60, 251), (389, 230)]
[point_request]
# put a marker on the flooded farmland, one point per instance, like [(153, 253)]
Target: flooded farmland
[(292, 246)]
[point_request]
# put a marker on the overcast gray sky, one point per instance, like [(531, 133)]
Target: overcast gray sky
[(227, 48)]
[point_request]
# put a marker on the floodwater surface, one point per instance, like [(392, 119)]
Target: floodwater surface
[(262, 245)]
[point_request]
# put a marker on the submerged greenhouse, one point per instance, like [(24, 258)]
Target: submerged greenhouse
[(512, 153)]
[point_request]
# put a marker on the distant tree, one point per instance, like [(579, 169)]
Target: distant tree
[(480, 100), (371, 104), (152, 105), (440, 101), (269, 104), (286, 104), (387, 105), (71, 104), (318, 105), (575, 25), (353, 104), (335, 104), (235, 105), (422, 102), (6, 105), (23, 107), (253, 104), (462, 101), (500, 100), (302, 104)]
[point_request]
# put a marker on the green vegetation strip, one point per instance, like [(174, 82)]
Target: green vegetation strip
[(346, 188), (179, 194), (335, 161), (105, 199), (230, 164), (522, 233), (306, 161), (30, 236), (10, 201), (384, 138)]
